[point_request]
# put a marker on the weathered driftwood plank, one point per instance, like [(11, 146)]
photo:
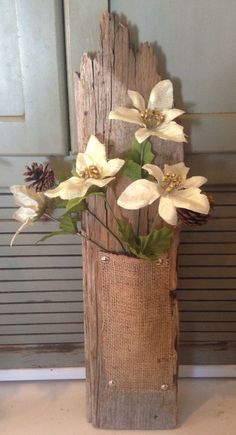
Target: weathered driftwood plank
[(100, 87)]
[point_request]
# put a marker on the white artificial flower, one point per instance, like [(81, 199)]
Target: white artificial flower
[(32, 206), (172, 188), (92, 168), (157, 118)]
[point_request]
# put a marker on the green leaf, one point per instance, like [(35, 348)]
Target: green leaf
[(60, 203), (62, 176), (68, 224), (135, 152), (139, 155), (76, 205), (132, 170), (148, 155), (127, 233), (73, 170), (95, 190), (156, 242), (52, 234)]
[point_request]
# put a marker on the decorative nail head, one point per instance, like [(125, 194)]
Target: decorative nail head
[(164, 387), (105, 259)]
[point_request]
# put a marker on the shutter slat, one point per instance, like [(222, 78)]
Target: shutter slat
[(40, 319), (50, 328), (40, 274), (41, 339), (40, 262), (210, 260), (208, 326), (215, 224), (207, 283), (208, 237), (40, 250), (208, 336), (41, 285), (45, 307), (211, 316), (207, 248), (27, 297), (207, 272), (208, 305), (208, 295)]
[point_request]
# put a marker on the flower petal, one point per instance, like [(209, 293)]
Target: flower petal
[(112, 167), (100, 182), (138, 194), (155, 171), (192, 199), (167, 210), (171, 131), (171, 114), (178, 169), (196, 181), (96, 150), (128, 115), (74, 187), (142, 134), (83, 161), (161, 96), (137, 100), (24, 213), (24, 196)]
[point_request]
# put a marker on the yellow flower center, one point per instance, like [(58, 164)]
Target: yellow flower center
[(90, 172), (171, 181), (152, 118)]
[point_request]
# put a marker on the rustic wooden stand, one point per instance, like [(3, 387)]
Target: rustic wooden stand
[(100, 87)]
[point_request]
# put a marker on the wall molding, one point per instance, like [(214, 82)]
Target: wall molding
[(76, 373)]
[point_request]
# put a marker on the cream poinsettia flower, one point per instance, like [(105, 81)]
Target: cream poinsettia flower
[(157, 118), (32, 206), (171, 187), (92, 168)]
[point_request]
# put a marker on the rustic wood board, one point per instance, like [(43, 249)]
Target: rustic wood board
[(100, 87)]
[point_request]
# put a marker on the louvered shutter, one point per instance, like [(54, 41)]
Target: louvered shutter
[(207, 285), (41, 308)]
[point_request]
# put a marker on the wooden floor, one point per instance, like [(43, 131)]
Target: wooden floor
[(206, 407)]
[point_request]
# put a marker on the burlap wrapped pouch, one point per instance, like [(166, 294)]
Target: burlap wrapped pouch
[(136, 324)]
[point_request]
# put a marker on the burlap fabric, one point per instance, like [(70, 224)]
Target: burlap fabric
[(136, 323)]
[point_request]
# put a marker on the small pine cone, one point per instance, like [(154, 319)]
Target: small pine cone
[(189, 217), (40, 176)]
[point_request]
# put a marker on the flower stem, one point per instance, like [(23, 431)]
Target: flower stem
[(80, 234), (139, 211), (154, 223), (106, 227), (49, 216), (116, 220)]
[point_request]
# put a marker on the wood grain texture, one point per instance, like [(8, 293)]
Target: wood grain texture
[(100, 87)]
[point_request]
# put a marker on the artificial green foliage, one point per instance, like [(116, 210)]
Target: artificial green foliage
[(73, 170), (127, 233), (156, 242), (76, 205), (132, 170), (139, 155), (67, 225), (52, 234), (59, 203), (148, 247)]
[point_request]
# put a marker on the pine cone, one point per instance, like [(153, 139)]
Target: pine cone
[(189, 217), (41, 176)]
